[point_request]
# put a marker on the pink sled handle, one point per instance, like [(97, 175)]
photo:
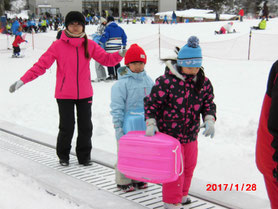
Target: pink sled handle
[(176, 162)]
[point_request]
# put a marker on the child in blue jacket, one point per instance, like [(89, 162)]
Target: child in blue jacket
[(113, 39), (127, 98)]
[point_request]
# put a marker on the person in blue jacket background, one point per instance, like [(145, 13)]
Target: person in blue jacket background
[(15, 27), (113, 39), (174, 18), (143, 20), (100, 70), (165, 20), (127, 104)]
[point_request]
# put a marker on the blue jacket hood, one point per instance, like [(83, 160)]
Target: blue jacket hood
[(125, 72), (128, 93), (112, 24), (112, 31)]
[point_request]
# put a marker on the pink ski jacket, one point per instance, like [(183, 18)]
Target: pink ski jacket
[(73, 78)]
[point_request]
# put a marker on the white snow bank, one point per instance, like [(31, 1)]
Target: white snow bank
[(196, 13)]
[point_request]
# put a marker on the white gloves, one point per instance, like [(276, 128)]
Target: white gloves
[(209, 126), (16, 86), (151, 127), (122, 52), (119, 133)]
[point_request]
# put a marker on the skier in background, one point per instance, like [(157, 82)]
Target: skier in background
[(17, 41), (261, 26), (227, 28), (113, 39), (265, 10), (165, 20), (100, 70), (174, 18), (241, 14)]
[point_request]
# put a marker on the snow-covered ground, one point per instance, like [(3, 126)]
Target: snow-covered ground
[(239, 87), (20, 191), (195, 13)]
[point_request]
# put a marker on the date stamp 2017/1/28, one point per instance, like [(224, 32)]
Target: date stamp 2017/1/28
[(231, 187)]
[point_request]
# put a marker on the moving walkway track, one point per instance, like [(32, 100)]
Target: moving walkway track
[(97, 175)]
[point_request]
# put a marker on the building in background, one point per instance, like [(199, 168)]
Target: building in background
[(53, 7), (119, 8), (116, 8)]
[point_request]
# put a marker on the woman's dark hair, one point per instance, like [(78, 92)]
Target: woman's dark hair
[(200, 76), (87, 55), (200, 79)]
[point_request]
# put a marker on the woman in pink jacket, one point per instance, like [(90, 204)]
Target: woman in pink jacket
[(72, 53)]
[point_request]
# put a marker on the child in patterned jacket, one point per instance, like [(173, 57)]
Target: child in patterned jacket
[(174, 106)]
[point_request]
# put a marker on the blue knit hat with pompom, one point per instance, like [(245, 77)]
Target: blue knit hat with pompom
[(190, 55)]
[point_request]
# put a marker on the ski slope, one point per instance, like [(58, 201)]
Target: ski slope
[(239, 87)]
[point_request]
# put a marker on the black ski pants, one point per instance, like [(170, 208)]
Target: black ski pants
[(16, 49), (66, 128), (113, 70)]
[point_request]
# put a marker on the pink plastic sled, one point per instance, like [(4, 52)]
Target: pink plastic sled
[(155, 159)]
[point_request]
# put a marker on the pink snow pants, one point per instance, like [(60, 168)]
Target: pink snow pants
[(174, 191), (272, 191)]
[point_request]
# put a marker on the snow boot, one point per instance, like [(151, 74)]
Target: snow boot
[(185, 200), (126, 188), (172, 206), (111, 78), (99, 79), (64, 162), (86, 163), (141, 185)]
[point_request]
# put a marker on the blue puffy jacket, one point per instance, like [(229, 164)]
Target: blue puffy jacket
[(15, 26), (114, 37), (128, 93)]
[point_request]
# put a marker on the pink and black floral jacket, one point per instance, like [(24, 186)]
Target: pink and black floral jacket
[(176, 105)]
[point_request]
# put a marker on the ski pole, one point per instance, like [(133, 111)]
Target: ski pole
[(33, 44), (159, 47), (8, 42), (250, 36)]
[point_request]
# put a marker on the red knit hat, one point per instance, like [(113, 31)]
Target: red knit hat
[(135, 54)]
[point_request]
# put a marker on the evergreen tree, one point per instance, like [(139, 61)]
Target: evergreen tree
[(216, 6), (7, 4), (4, 5), (1, 7), (191, 4)]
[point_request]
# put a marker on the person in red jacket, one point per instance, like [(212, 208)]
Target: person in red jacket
[(241, 14), (267, 138), (17, 41)]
